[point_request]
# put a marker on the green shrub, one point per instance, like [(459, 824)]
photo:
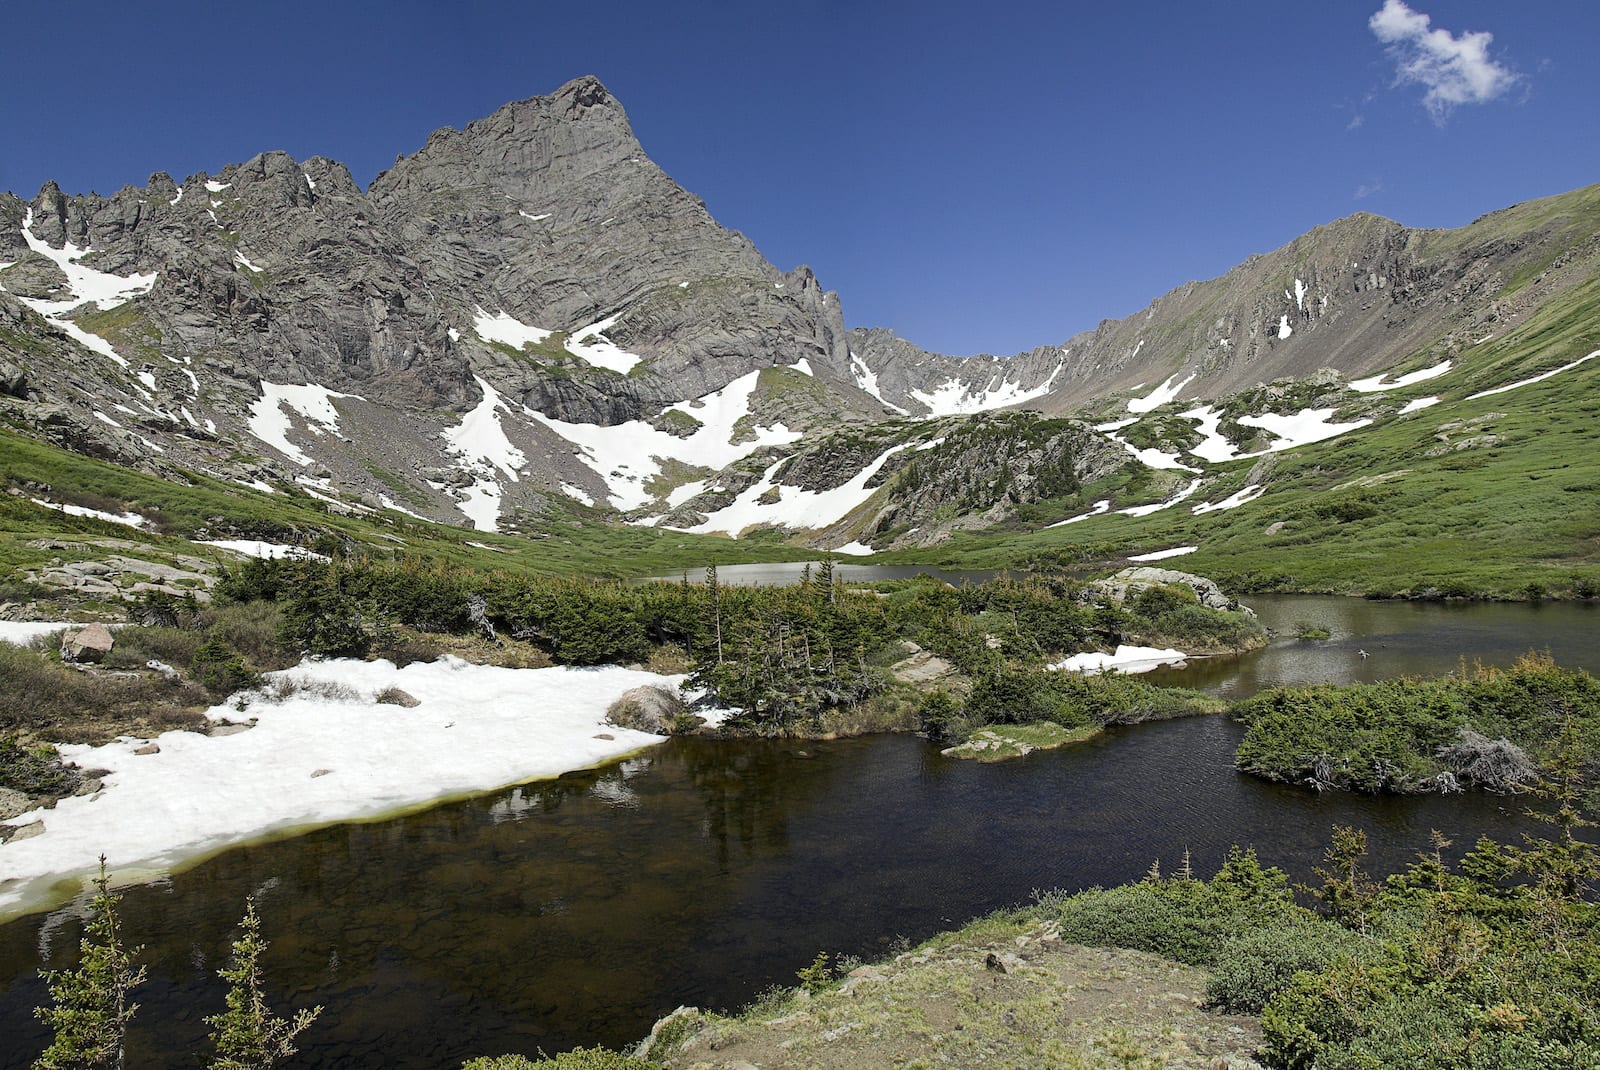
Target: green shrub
[(1186, 920), (30, 770), (221, 671), (1252, 967), (817, 976)]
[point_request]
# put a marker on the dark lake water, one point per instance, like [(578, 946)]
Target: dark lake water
[(577, 911)]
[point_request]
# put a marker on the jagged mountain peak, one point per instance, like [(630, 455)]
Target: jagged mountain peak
[(529, 306)]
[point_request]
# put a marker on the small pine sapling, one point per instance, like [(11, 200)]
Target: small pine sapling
[(248, 1036), (90, 1009)]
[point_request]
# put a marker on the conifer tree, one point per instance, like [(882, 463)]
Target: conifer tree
[(248, 1036), (90, 1009)]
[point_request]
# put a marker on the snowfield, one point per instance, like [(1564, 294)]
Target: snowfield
[(1376, 383), (796, 507), (481, 445), (954, 398), (269, 416), (99, 289), (627, 456), (326, 753), (1535, 379)]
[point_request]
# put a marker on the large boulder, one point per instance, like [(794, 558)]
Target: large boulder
[(647, 708), (92, 643), (13, 379)]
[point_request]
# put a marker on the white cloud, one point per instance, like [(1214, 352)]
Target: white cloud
[(1454, 70), (1367, 189)]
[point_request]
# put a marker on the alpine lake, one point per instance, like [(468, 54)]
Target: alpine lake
[(579, 910)]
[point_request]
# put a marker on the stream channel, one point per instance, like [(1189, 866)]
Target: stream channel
[(577, 911)]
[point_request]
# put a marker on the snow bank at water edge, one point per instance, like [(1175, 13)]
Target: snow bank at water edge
[(325, 754), (1130, 659)]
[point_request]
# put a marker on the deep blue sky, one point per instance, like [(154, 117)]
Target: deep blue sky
[(977, 176)]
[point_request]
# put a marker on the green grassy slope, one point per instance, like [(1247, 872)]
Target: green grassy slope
[(1513, 512), (567, 540)]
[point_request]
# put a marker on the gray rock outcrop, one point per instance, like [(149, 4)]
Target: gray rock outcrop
[(1130, 582), (648, 708)]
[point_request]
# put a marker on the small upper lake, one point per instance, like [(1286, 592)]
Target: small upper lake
[(577, 911), (1399, 638)]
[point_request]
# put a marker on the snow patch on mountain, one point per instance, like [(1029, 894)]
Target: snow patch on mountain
[(1099, 507), (132, 520), (1167, 391), (481, 445), (506, 329), (1232, 501), (266, 551), (1145, 510), (98, 288), (1299, 428), (854, 549), (952, 397), (591, 344), (1214, 447), (1418, 404), (107, 291), (867, 380), (269, 416), (627, 456), (1284, 330), (1536, 379), (1162, 555), (577, 493), (795, 507), (1376, 382)]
